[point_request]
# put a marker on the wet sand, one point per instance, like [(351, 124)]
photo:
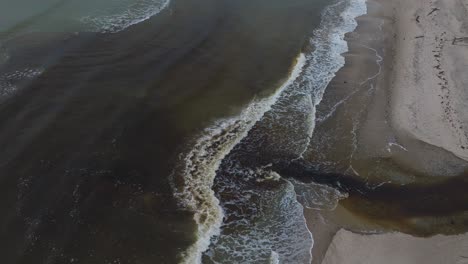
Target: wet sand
[(398, 109)]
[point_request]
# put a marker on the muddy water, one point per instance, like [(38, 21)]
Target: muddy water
[(93, 116)]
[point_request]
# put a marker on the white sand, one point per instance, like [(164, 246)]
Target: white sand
[(350, 248), (430, 89)]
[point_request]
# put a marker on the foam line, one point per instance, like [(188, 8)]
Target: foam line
[(202, 162)]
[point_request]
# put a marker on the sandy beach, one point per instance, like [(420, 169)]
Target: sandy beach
[(429, 89), (405, 77), (396, 248)]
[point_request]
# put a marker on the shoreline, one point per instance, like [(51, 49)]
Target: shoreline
[(385, 58), (349, 83)]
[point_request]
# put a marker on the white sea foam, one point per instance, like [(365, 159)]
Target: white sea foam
[(317, 196), (281, 228), (295, 111), (274, 258), (9, 81), (329, 42), (202, 162), (269, 225), (127, 14)]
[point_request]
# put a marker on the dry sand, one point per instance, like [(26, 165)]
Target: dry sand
[(430, 95)]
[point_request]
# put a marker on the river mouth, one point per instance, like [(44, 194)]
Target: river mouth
[(440, 204)]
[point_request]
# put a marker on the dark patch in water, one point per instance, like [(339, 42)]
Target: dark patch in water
[(441, 205)]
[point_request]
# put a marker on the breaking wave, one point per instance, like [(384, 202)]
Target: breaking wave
[(126, 14), (202, 162), (263, 213), (10, 82)]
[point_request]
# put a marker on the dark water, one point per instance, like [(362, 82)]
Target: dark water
[(146, 131), (92, 122), (422, 209)]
